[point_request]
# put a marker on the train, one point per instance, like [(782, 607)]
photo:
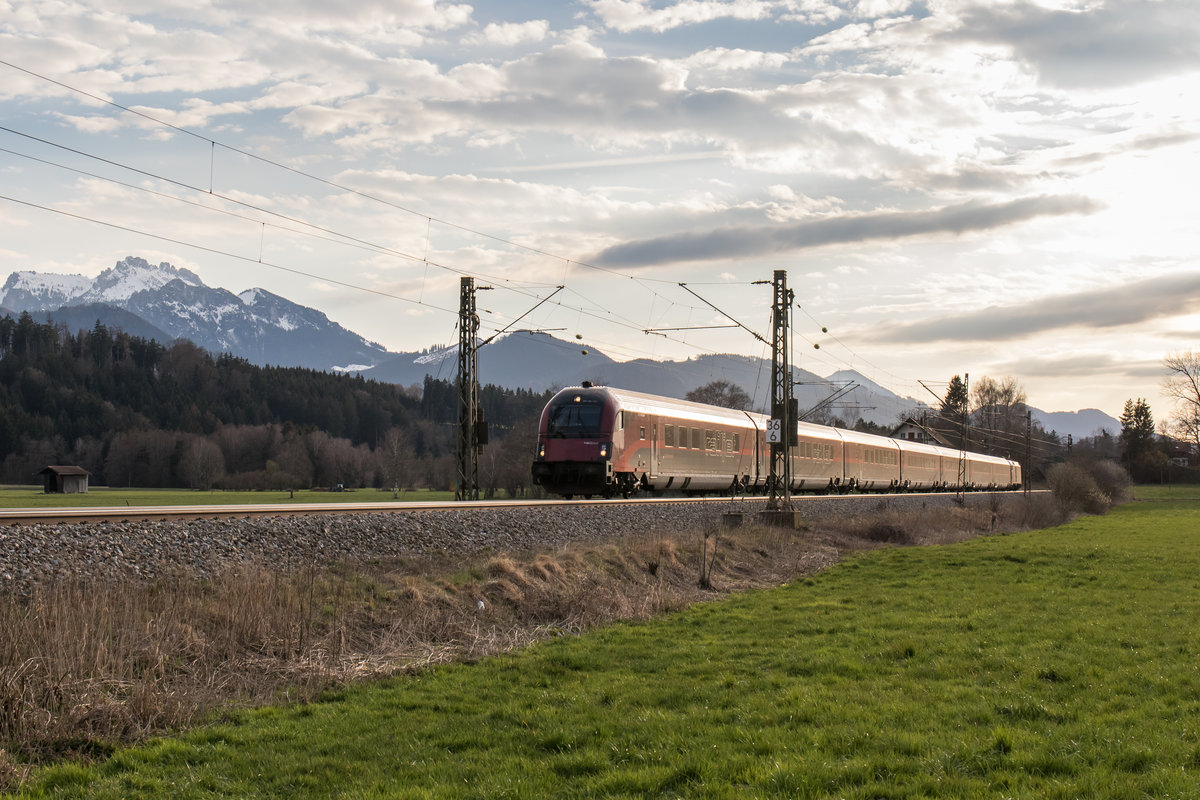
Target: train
[(602, 441)]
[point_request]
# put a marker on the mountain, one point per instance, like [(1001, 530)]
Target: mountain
[(84, 317), (165, 302), (538, 361), (1079, 424), (37, 291), (519, 360)]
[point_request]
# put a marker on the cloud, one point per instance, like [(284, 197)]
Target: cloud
[(368, 19), (1107, 307), (725, 60), (1103, 45), (1082, 364), (755, 240), (633, 15), (508, 34)]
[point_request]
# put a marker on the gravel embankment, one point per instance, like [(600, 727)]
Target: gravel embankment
[(31, 554)]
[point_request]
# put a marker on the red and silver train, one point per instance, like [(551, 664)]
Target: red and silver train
[(596, 440)]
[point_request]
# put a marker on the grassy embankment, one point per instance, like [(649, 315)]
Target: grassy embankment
[(1056, 663), (35, 497)]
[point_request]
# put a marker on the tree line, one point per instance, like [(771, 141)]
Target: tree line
[(135, 412)]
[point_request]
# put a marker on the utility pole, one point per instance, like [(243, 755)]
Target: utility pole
[(467, 487), (960, 495), (781, 433), (1026, 475)]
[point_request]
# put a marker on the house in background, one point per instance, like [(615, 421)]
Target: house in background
[(928, 430), (65, 480)]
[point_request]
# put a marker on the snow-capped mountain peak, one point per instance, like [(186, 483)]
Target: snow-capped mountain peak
[(437, 355), (257, 325), (133, 275), (38, 291)]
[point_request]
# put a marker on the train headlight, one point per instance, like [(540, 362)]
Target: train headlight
[(541, 449), (604, 449)]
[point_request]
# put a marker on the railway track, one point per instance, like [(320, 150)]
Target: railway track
[(45, 516)]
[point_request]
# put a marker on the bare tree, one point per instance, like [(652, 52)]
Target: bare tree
[(1182, 385), (721, 393), (999, 414), (202, 464), (396, 459)]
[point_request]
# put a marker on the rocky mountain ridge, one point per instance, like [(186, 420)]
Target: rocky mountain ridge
[(257, 325), (164, 302)]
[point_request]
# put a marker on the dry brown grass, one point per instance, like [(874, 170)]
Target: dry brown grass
[(84, 668)]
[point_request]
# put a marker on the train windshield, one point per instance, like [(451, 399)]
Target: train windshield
[(575, 418)]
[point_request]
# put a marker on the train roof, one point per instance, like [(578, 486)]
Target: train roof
[(701, 412), (683, 409)]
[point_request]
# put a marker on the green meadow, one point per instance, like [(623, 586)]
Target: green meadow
[(1059, 663), (102, 496)]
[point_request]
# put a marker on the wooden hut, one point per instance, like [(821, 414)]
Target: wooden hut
[(65, 480)]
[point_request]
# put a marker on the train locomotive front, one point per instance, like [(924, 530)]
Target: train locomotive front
[(576, 443)]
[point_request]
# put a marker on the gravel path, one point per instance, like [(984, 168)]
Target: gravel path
[(153, 549)]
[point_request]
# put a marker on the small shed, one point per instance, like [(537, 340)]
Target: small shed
[(65, 480)]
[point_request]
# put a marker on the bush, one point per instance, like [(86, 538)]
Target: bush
[(1112, 479), (1077, 489), (1039, 510)]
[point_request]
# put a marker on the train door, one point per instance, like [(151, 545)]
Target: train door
[(653, 448)]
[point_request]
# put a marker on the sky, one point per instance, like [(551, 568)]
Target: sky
[(952, 186)]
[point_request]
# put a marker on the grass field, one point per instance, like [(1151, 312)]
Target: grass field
[(1184, 491), (34, 497), (1060, 663)]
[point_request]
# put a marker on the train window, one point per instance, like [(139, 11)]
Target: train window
[(669, 435), (575, 419), (710, 440), (736, 443), (642, 433), (697, 439)]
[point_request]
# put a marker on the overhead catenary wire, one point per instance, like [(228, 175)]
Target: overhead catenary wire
[(341, 238), (305, 273), (335, 184), (213, 144), (248, 154), (224, 253)]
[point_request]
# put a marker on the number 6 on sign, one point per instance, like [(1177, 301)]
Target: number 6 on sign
[(774, 431)]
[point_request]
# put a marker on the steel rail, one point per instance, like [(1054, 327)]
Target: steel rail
[(46, 516)]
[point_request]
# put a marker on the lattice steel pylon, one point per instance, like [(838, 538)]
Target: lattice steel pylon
[(1028, 469), (961, 494), (783, 411), (467, 486)]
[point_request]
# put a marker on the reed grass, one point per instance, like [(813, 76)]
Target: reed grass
[(88, 668)]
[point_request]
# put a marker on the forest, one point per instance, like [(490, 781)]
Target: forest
[(134, 412)]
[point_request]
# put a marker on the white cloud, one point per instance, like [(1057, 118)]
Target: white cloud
[(632, 15), (760, 130), (726, 60), (1093, 45), (509, 34)]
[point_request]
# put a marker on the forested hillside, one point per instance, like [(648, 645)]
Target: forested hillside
[(135, 412)]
